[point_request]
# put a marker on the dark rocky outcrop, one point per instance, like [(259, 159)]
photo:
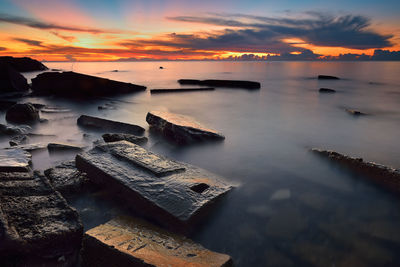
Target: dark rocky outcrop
[(6, 104), (386, 176), (327, 77), (114, 137), (153, 185), (327, 90), (13, 130), (222, 83), (67, 179), (19, 140), (38, 228), (177, 90), (11, 80), (15, 160), (179, 128), (72, 84), (104, 124), (23, 64), (22, 113), (133, 242)]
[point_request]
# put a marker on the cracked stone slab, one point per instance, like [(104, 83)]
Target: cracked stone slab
[(14, 160), (174, 193), (38, 227), (133, 242)]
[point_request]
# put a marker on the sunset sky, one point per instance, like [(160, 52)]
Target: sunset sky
[(70, 30)]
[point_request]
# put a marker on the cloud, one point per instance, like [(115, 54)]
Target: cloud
[(64, 37), (3, 48), (305, 55), (29, 42), (386, 55), (33, 23)]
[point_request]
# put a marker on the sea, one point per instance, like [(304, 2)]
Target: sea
[(290, 207)]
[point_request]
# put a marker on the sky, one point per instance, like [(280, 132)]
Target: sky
[(122, 30)]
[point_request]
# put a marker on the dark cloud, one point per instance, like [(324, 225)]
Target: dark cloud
[(318, 28), (386, 55), (305, 55), (64, 37), (3, 48), (33, 23), (29, 42)]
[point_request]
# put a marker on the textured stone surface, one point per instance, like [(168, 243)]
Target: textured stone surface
[(12, 130), (72, 84), (14, 160), (223, 83), (183, 89), (386, 176), (179, 128), (132, 242), (22, 113), (174, 193), (67, 179), (38, 228), (113, 137), (104, 124), (30, 147)]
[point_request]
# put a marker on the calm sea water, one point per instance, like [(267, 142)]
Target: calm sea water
[(291, 208)]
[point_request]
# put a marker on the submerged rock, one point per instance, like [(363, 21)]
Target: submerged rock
[(38, 228), (133, 242), (11, 80), (174, 193), (13, 130), (113, 137), (14, 160), (67, 179), (23, 64), (327, 77), (54, 147), (179, 128), (223, 83), (355, 112), (175, 90), (19, 140), (105, 124), (72, 84), (386, 176), (22, 113), (327, 90)]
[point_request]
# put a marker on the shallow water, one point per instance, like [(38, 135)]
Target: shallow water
[(291, 208)]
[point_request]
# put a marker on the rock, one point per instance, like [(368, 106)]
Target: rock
[(174, 193), (281, 194), (355, 112), (132, 242), (13, 130), (19, 140), (113, 137), (37, 225), (23, 64), (67, 179), (326, 90), (38, 105), (386, 176), (54, 147), (327, 77), (179, 128), (22, 113), (11, 80), (14, 160), (53, 109), (223, 83), (174, 90), (105, 124), (72, 84), (31, 147), (161, 67), (6, 104)]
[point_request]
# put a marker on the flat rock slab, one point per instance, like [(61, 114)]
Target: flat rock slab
[(132, 242), (13, 130), (113, 137), (174, 193), (54, 147), (72, 84), (14, 160), (327, 77), (223, 83), (386, 176), (179, 128), (327, 90), (38, 226), (104, 124), (177, 90)]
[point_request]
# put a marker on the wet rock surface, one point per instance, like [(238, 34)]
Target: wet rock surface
[(31, 147), (174, 193), (14, 130), (67, 179), (23, 64), (22, 113), (14, 160), (386, 176), (72, 84), (327, 90), (104, 124), (132, 242), (19, 140), (11, 80), (114, 137), (54, 147), (222, 83), (177, 90), (327, 77), (38, 226), (179, 128), (355, 112)]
